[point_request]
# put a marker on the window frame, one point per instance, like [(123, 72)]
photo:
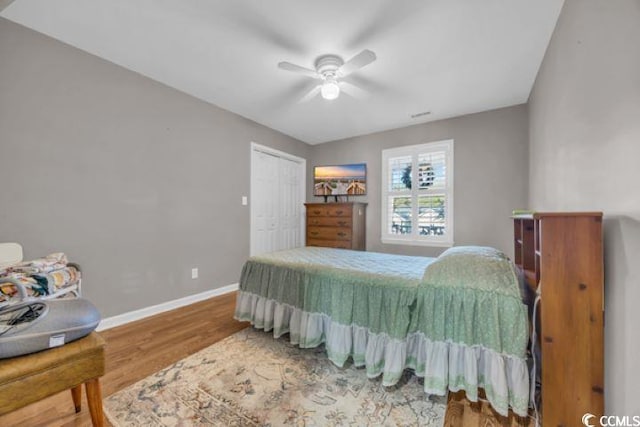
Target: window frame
[(414, 151)]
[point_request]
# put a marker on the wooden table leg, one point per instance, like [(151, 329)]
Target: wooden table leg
[(76, 394), (94, 398)]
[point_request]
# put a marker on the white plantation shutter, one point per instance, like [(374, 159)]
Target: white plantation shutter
[(398, 166), (417, 194)]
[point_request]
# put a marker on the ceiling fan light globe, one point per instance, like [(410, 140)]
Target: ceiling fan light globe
[(330, 90)]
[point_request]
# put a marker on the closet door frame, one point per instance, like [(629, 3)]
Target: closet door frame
[(255, 149)]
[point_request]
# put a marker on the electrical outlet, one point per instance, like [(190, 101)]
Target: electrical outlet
[(244, 201), (194, 273)]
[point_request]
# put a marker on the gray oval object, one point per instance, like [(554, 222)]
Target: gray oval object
[(32, 326)]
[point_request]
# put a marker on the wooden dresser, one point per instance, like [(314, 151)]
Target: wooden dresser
[(336, 225), (562, 259)]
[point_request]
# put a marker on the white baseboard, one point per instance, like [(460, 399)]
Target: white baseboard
[(132, 316)]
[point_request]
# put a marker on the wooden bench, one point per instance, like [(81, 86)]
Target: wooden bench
[(30, 378)]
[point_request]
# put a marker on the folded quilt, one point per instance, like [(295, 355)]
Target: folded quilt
[(52, 262), (38, 278)]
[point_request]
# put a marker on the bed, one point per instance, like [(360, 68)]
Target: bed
[(456, 320)]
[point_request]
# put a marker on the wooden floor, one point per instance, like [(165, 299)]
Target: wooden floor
[(136, 350)]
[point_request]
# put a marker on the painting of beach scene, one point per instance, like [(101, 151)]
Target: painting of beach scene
[(340, 180)]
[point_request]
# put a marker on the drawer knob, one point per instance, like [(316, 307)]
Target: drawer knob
[(316, 212), (342, 223), (313, 233), (342, 234), (339, 212)]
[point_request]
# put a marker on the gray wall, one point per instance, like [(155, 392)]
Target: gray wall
[(139, 182), (490, 174), (136, 181), (584, 153)]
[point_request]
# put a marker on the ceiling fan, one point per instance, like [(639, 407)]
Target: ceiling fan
[(331, 69)]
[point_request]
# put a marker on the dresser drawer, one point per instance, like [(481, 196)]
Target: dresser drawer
[(329, 221), (340, 210), (341, 244), (328, 233)]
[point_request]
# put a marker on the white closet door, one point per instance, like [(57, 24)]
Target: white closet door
[(290, 204), (265, 197), (277, 197)]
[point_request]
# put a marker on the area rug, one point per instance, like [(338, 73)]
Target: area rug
[(252, 379)]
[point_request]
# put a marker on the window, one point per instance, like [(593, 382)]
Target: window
[(417, 194)]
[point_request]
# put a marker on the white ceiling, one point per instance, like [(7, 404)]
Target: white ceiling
[(449, 57)]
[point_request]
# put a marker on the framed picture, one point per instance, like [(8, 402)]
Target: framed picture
[(340, 180)]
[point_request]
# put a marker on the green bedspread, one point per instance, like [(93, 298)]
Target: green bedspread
[(469, 308), (368, 289), (470, 295), (457, 320)]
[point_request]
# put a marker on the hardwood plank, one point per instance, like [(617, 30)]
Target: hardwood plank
[(137, 350)]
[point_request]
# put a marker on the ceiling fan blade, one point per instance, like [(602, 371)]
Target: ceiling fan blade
[(365, 57), (256, 22), (298, 69), (367, 84), (353, 90), (311, 94), (384, 19)]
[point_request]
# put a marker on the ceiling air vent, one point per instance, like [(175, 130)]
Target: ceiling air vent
[(424, 113)]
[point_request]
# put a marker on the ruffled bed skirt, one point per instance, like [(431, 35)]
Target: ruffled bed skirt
[(444, 365)]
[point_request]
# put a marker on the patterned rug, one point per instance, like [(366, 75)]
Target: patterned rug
[(251, 379)]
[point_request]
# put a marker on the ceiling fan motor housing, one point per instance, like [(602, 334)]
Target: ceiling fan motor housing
[(327, 66)]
